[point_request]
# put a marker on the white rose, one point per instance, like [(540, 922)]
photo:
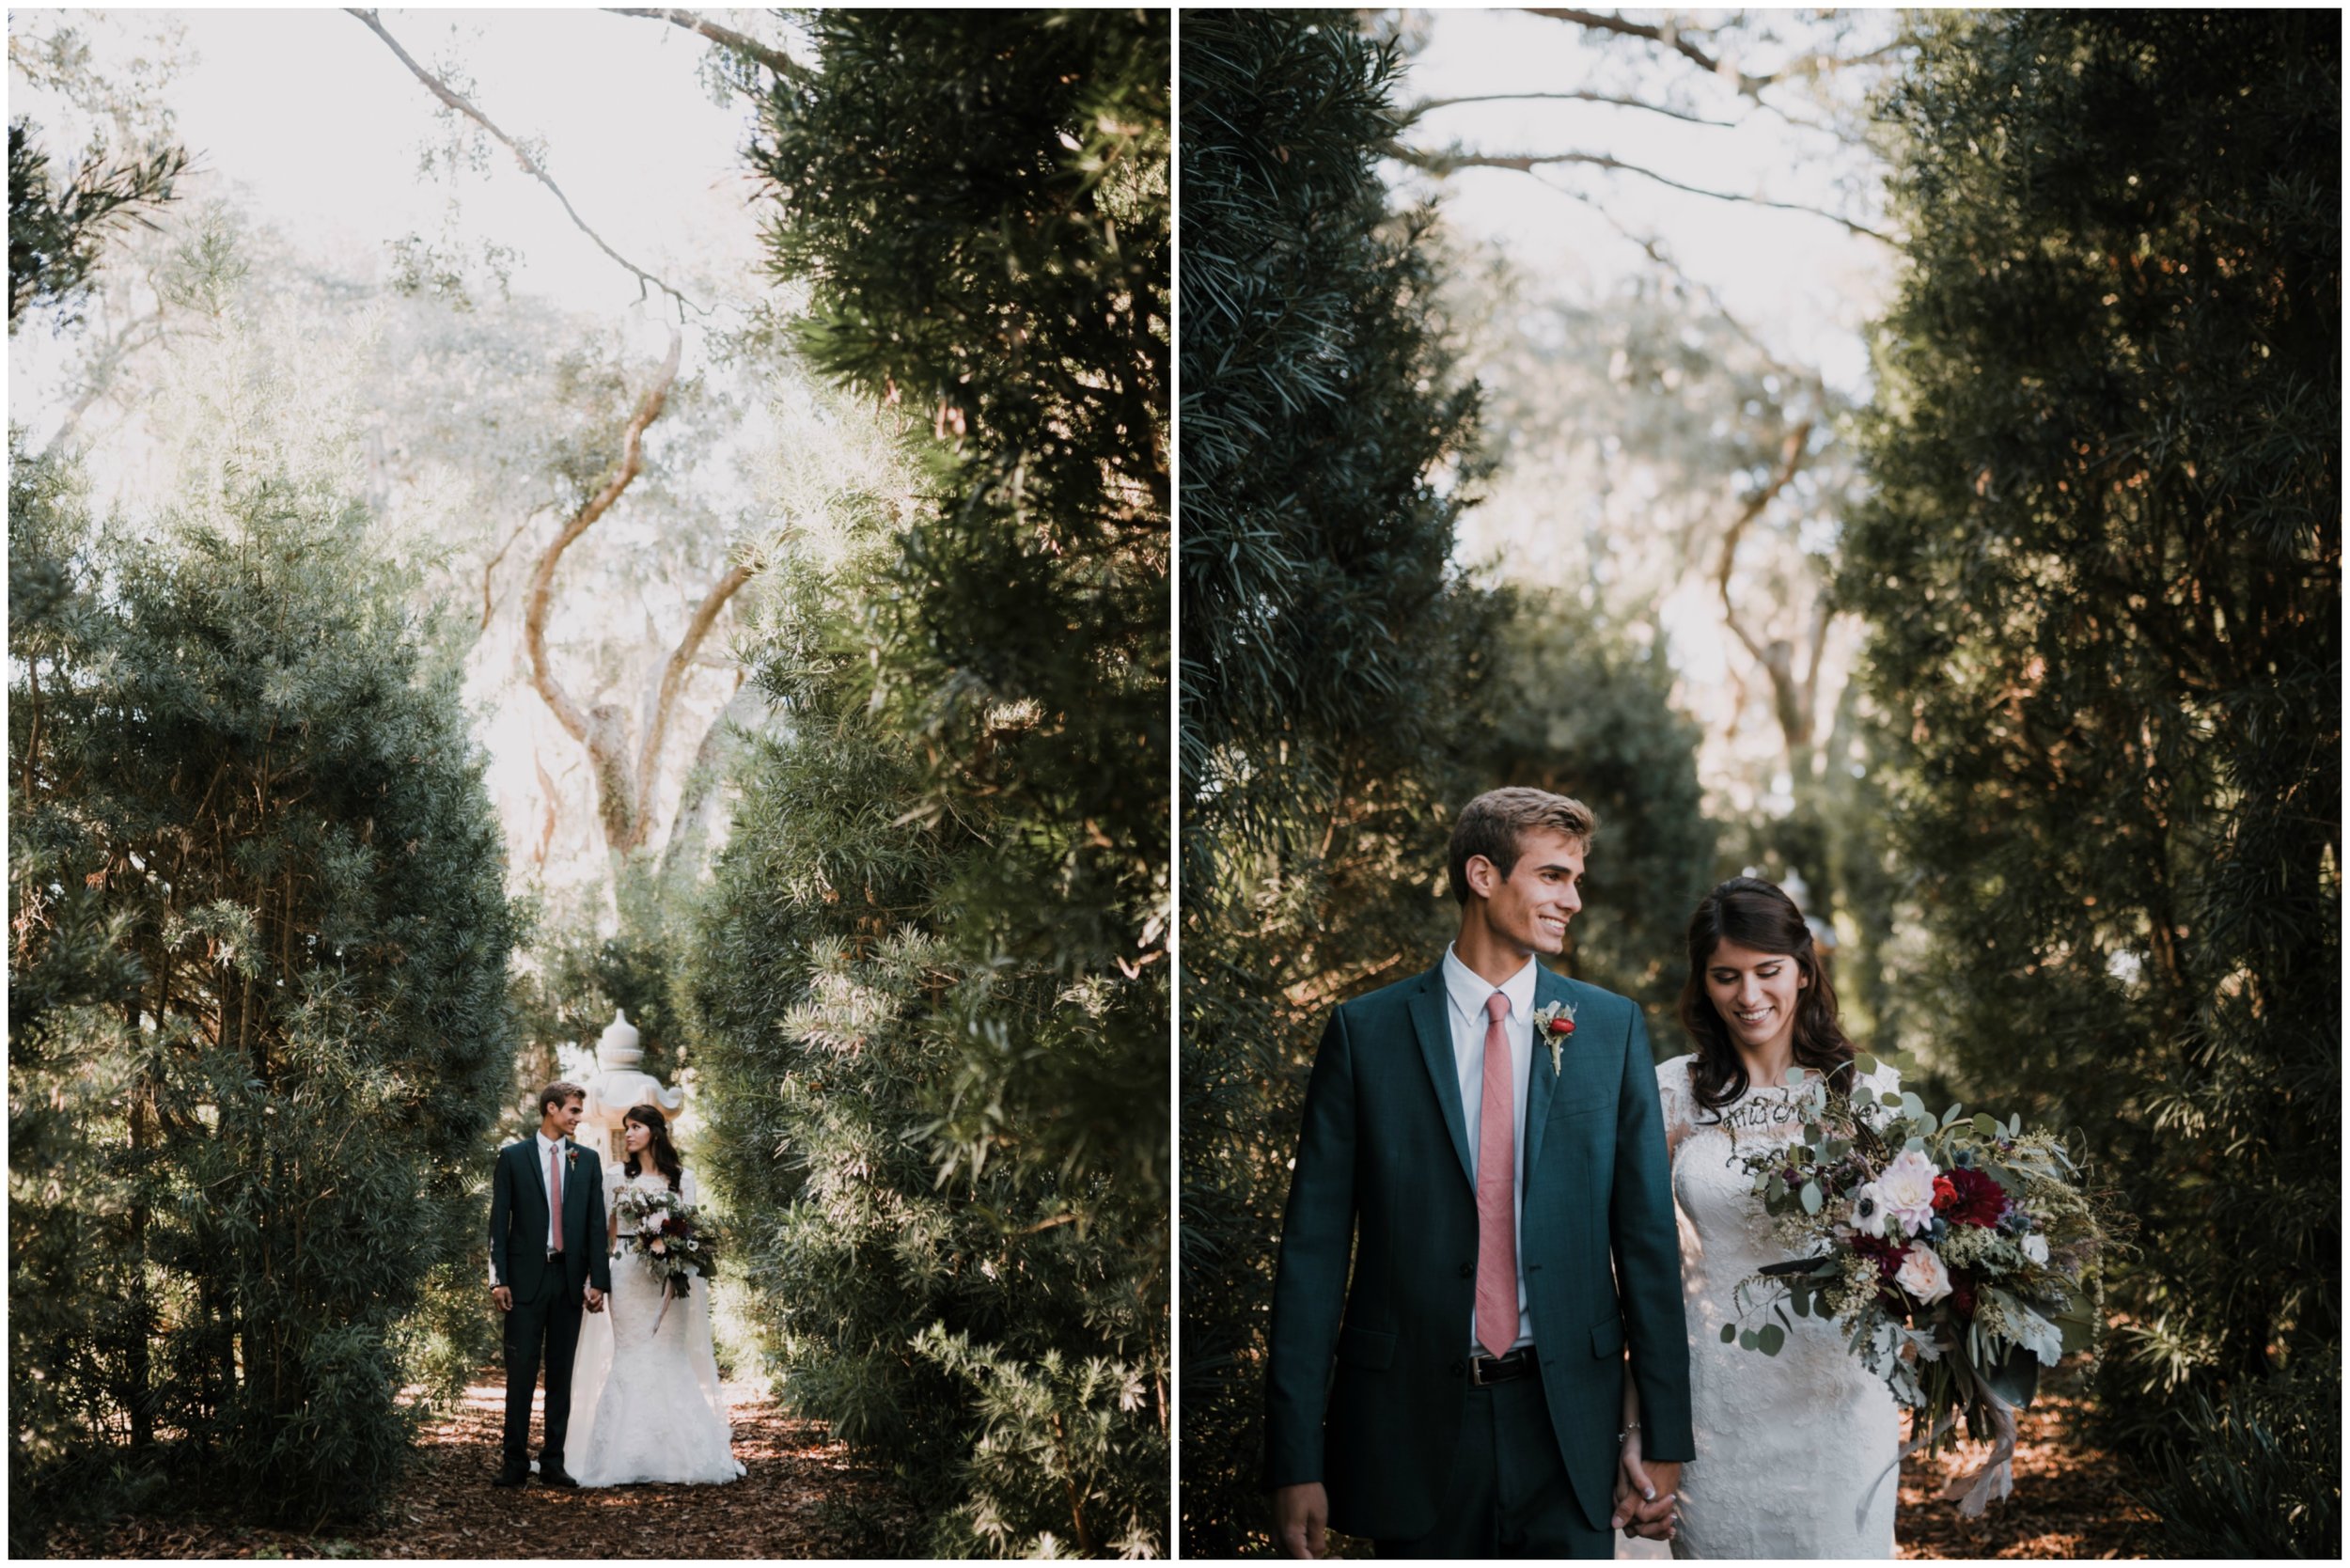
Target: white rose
[(1868, 1210), (2036, 1249), (1907, 1190), (1923, 1277)]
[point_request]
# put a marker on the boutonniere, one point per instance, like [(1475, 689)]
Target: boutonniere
[(1552, 1025), (571, 1154)]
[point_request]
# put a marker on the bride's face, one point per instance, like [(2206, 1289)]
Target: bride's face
[(637, 1135), (1755, 992)]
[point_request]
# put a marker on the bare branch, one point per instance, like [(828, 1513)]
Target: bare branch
[(649, 758), (457, 100), (1413, 114), (1668, 35), (1778, 658), (489, 604), (1654, 249), (567, 712), (781, 64), (1443, 164)]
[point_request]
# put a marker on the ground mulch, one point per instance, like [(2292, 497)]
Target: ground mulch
[(2069, 1500), (801, 1497)]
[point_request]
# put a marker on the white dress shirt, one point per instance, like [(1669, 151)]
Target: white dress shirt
[(1466, 993), (554, 1197)]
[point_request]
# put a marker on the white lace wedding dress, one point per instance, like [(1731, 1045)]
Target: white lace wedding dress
[(647, 1396), (1788, 1445)]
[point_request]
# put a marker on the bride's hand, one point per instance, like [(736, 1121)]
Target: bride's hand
[(1640, 1509)]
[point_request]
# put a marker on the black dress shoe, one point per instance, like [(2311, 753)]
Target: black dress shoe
[(512, 1476), (555, 1476)]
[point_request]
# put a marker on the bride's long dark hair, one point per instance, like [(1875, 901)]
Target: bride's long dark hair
[(1754, 914), (664, 1153)]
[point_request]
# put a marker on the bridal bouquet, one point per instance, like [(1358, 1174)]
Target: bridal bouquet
[(671, 1236), (1959, 1254)]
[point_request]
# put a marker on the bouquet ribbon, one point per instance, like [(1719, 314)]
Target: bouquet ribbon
[(1987, 1483)]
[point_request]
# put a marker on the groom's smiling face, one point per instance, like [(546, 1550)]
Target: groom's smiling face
[(1530, 907)]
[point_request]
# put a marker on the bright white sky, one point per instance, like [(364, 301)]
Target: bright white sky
[(1805, 285), (319, 129)]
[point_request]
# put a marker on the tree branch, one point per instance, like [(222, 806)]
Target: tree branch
[(781, 64), (1443, 164), (1777, 662), (671, 678), (457, 101), (1411, 115), (567, 712), (1668, 35)]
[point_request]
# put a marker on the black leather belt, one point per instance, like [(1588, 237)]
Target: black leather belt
[(1500, 1368)]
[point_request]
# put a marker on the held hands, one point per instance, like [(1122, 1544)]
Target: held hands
[(1300, 1517), (595, 1299), (1646, 1492)]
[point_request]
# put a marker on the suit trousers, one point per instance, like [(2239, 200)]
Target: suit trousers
[(545, 1328), (1509, 1496)]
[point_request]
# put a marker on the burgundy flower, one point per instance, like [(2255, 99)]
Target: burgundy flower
[(1963, 1292), (1972, 1198), (1562, 1026), (1886, 1255)]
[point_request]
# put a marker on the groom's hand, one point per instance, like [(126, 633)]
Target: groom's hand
[(1647, 1493), (1301, 1514), (504, 1297), (595, 1299)]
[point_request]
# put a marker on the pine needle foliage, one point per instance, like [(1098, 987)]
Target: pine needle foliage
[(1333, 660), (932, 982), (2103, 574), (257, 1007)]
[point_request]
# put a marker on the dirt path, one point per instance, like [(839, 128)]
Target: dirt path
[(801, 1497), (2069, 1500)]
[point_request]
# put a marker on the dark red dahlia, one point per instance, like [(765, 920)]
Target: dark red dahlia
[(1886, 1255), (1963, 1292), (1974, 1199)]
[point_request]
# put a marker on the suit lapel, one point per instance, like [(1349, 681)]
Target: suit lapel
[(1435, 1048), (1540, 1081)]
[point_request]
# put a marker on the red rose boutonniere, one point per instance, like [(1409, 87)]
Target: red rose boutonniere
[(1553, 1026), (571, 1154)]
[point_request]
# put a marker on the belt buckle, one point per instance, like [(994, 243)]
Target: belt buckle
[(1477, 1370)]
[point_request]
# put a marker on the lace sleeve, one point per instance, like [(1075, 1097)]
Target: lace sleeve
[(1886, 1079), (1672, 1092)]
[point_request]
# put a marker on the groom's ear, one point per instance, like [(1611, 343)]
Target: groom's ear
[(1481, 875)]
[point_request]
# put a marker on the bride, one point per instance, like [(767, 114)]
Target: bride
[(646, 1390), (1795, 1451)]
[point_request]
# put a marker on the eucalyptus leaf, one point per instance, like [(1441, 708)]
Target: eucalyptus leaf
[(1811, 1198), (1729, 1333), (1773, 1338), (1987, 1124), (1865, 1064), (1746, 1338), (1952, 1115), (1890, 1100)]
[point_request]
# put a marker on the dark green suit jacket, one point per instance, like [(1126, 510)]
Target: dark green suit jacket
[(518, 1224), (1382, 1181)]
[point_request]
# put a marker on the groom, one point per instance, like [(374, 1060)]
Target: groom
[(1479, 1221), (542, 1271)]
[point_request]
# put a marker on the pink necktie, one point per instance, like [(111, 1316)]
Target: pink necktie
[(554, 1200), (1497, 1186)]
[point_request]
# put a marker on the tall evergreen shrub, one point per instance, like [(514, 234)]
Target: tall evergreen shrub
[(934, 977), (1333, 660), (2104, 574), (256, 1005)]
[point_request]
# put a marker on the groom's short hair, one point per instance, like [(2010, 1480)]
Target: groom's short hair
[(559, 1094), (1495, 822)]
